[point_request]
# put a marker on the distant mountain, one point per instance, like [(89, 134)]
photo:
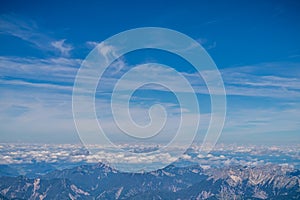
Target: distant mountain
[(34, 169), (29, 170), (193, 182)]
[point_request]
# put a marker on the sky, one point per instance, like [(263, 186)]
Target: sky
[(254, 44)]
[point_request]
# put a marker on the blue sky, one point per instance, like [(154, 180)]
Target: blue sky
[(255, 44)]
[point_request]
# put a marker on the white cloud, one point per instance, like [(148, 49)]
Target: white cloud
[(223, 155), (91, 44), (62, 47)]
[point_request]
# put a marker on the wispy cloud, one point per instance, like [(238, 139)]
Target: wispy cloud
[(240, 81), (207, 44), (36, 85), (28, 30), (272, 80), (35, 94), (59, 71), (266, 79), (276, 124)]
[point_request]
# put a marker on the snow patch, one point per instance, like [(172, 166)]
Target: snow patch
[(235, 178), (78, 191), (42, 197), (119, 192), (36, 185), (72, 197), (4, 191)]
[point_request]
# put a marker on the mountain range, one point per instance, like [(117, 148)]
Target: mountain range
[(100, 181)]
